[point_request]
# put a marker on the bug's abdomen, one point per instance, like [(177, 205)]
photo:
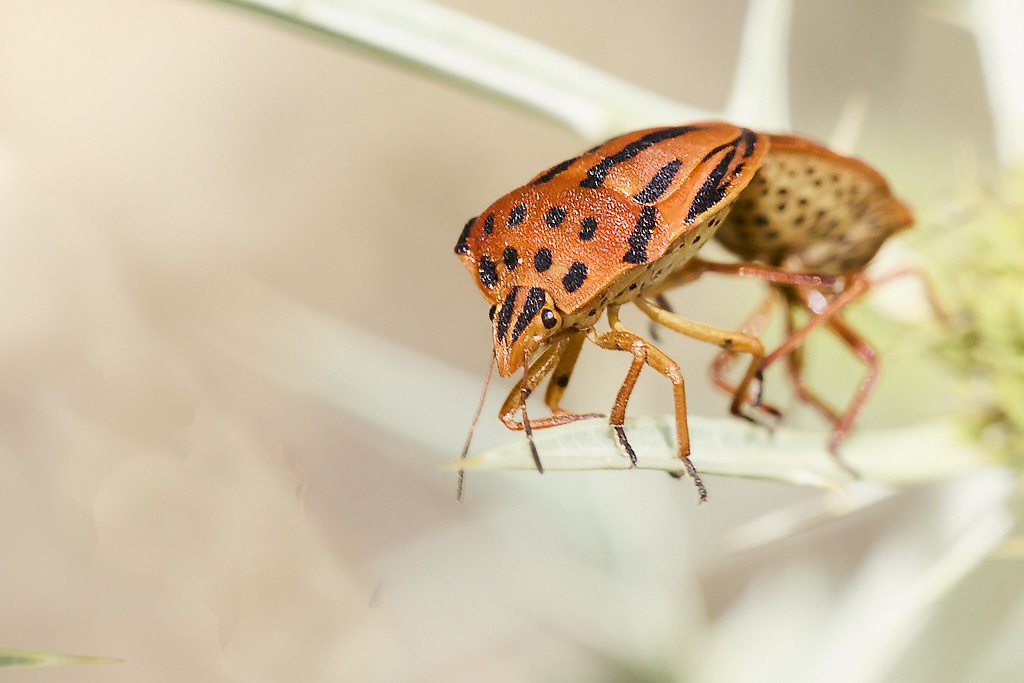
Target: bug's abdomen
[(813, 209)]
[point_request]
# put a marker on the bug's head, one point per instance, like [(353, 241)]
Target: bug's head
[(524, 320)]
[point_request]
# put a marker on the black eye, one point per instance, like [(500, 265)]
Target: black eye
[(490, 314), (547, 316)]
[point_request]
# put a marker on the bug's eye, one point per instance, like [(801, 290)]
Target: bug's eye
[(548, 317), (490, 314)]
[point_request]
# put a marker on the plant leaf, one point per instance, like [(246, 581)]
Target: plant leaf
[(484, 57), (910, 455), (12, 658)]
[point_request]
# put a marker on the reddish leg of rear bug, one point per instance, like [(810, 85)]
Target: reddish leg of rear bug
[(866, 353), (830, 316), (725, 360), (795, 369)]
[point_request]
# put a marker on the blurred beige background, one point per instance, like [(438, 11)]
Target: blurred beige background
[(174, 174)]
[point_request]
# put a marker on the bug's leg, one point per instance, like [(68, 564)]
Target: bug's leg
[(531, 380), (727, 339), (562, 373), (858, 285), (621, 339), (662, 302), (751, 326), (795, 368), (778, 276), (863, 350)]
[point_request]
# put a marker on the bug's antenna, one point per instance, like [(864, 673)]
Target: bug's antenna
[(525, 394), (460, 482)]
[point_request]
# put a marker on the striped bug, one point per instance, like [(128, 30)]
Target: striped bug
[(614, 225), (810, 209)]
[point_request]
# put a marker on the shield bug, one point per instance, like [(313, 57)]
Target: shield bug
[(810, 209), (595, 232)]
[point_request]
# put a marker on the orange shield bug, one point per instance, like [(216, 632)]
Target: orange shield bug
[(595, 232), (811, 209)]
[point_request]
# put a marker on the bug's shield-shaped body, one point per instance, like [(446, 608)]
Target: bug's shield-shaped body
[(598, 229), (811, 209)]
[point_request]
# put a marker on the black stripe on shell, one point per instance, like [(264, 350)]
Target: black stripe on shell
[(549, 174), (462, 246), (488, 271), (505, 315), (641, 235), (534, 302), (715, 185), (659, 183), (597, 173)]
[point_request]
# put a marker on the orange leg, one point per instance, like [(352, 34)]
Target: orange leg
[(735, 341), (562, 373), (621, 339), (554, 357)]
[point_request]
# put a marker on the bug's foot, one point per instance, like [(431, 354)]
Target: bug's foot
[(620, 432), (764, 416), (692, 471), (833, 450)]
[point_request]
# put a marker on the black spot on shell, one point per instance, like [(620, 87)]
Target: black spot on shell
[(575, 278), (489, 224), (562, 381), (542, 260), (511, 257), (588, 227), (761, 219), (554, 216), (696, 238), (488, 272), (516, 215)]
